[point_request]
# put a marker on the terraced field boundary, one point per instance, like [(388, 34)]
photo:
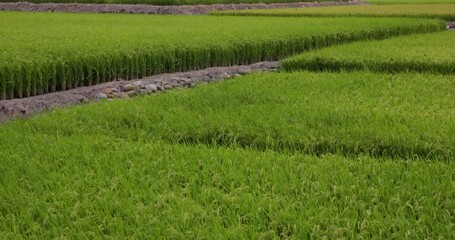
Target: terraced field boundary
[(30, 106), (151, 9), (173, 2), (441, 11), (52, 72)]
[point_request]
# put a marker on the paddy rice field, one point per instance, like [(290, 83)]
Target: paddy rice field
[(353, 137), (427, 10), (401, 54), (44, 52)]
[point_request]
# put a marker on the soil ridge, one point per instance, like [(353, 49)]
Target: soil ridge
[(25, 107), (155, 9)]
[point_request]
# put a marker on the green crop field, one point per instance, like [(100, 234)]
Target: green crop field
[(171, 2), (432, 53), (347, 114), (411, 1), (444, 11), (200, 163), (42, 52), (354, 138), (100, 187)]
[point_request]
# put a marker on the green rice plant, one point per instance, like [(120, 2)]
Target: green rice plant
[(200, 163), (430, 53), (412, 1), (443, 11), (350, 114), (95, 186), (63, 51), (172, 2)]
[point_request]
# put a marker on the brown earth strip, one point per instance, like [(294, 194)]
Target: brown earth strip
[(152, 9), (25, 107)]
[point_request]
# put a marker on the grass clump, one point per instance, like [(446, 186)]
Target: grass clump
[(430, 53), (443, 11), (351, 114), (42, 52)]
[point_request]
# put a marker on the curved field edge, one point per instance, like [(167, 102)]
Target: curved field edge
[(53, 70), (443, 11), (349, 114), (401, 54), (90, 186), (171, 2)]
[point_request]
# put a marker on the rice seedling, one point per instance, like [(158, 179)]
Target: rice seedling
[(430, 53), (443, 11), (42, 52)]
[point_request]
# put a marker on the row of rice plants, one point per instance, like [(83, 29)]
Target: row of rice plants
[(171, 2), (412, 1), (44, 53), (85, 186), (443, 11), (349, 114), (431, 53)]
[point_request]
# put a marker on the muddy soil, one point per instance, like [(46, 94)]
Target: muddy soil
[(25, 107), (151, 9)]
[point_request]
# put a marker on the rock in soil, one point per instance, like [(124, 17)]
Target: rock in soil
[(144, 92), (130, 87), (151, 87), (108, 91), (100, 96)]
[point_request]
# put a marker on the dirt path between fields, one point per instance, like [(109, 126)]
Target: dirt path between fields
[(25, 107), (153, 9)]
